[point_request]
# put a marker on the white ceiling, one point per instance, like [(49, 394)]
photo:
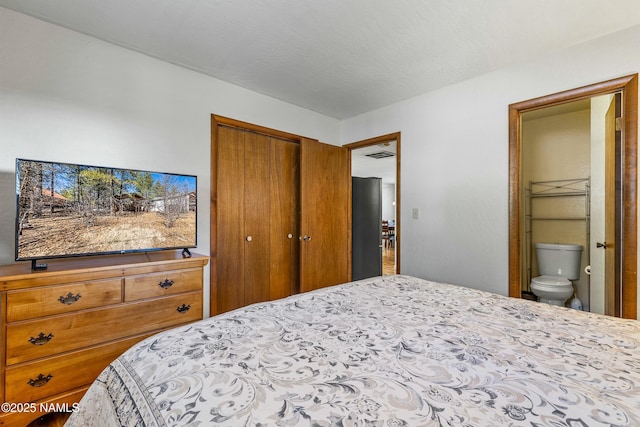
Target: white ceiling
[(365, 167), (340, 58)]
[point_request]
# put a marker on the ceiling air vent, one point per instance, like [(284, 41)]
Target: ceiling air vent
[(380, 154)]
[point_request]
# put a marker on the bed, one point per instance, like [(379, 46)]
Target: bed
[(388, 351)]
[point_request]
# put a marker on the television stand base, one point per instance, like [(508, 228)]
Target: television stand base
[(35, 266), (186, 253)]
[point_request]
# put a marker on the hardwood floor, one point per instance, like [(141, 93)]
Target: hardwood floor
[(388, 260)]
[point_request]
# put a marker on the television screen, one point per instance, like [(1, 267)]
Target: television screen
[(65, 210)]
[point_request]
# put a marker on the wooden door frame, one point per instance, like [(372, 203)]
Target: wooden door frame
[(628, 85), (375, 141)]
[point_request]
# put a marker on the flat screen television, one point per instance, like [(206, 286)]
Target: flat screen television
[(68, 210)]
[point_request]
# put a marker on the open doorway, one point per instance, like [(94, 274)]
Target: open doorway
[(564, 177), (379, 157), (622, 247)]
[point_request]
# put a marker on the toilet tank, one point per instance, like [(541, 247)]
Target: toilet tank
[(559, 259)]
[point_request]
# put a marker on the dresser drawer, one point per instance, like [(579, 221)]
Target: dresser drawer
[(160, 284), (29, 340), (49, 300), (36, 380)]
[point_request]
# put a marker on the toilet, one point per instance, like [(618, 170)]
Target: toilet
[(558, 265)]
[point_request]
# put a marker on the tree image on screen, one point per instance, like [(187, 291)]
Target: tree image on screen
[(67, 209)]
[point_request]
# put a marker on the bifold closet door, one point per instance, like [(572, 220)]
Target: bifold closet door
[(243, 234), (285, 208), (230, 233), (282, 209), (257, 218), (324, 222)]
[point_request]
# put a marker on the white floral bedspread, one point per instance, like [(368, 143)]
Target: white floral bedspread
[(391, 351)]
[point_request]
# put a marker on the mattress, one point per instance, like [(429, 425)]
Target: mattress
[(388, 351)]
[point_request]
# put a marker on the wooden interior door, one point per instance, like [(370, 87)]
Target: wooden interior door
[(243, 220), (268, 185), (285, 210), (325, 200), (230, 235), (611, 279), (257, 218)]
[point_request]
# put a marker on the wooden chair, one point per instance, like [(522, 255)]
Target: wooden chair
[(391, 235), (385, 233)]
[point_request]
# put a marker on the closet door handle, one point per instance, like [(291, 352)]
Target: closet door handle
[(289, 236), (306, 238), (249, 238)]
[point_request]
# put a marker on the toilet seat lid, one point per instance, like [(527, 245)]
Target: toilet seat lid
[(551, 281)]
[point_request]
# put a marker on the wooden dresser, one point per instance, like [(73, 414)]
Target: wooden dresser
[(62, 326)]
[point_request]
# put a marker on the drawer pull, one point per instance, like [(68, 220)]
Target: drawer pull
[(41, 339), (69, 298), (184, 308), (40, 381), (166, 284)]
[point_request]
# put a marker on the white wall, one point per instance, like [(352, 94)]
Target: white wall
[(68, 97), (389, 202), (455, 158)]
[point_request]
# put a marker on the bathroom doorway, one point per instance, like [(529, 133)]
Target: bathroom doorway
[(619, 246), (380, 157)]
